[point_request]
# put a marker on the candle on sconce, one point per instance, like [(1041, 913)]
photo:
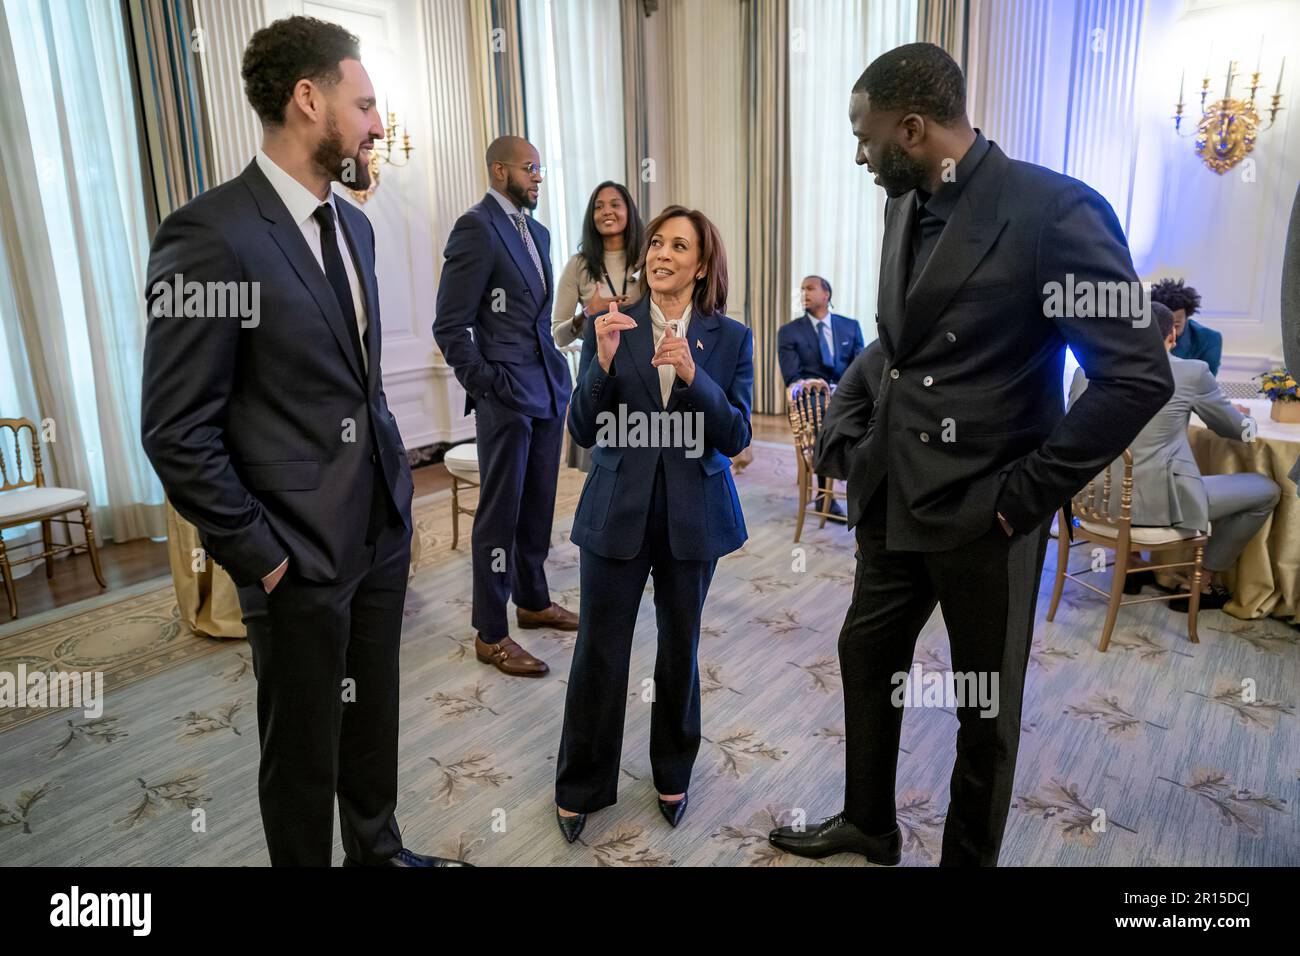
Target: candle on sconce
[(1180, 86), (1280, 71), (1259, 60)]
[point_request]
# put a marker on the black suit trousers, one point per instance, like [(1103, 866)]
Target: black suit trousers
[(987, 590), (591, 743), (318, 736)]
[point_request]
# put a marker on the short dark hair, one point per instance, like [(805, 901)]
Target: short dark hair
[(710, 293), (289, 50), (916, 78), (1164, 318), (825, 285), (1175, 295)]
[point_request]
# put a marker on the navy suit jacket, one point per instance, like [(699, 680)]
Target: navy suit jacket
[(493, 314), (245, 426), (705, 520), (800, 354)]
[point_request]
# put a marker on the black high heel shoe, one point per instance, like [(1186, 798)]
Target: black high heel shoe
[(673, 810), (571, 827)]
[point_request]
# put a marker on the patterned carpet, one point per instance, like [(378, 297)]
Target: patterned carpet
[(1149, 754)]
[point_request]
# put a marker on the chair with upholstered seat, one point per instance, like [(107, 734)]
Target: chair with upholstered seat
[(1097, 522), (806, 404), (26, 499), (461, 462)]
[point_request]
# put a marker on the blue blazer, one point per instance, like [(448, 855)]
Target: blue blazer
[(705, 520), (800, 353), (493, 314)]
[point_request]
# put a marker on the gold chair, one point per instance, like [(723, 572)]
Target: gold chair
[(461, 462), (1099, 526), (807, 401), (28, 500)]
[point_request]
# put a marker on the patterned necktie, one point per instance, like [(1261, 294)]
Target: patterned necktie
[(828, 350), (521, 223)]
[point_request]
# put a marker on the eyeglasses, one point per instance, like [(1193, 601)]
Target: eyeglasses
[(531, 168)]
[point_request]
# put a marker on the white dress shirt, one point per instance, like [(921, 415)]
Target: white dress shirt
[(301, 203), (659, 322)]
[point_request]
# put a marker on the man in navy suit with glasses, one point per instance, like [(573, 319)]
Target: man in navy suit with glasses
[(493, 325), (818, 344)]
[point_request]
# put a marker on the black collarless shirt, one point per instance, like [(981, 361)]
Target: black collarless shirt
[(932, 212)]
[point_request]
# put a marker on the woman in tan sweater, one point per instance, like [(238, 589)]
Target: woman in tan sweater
[(600, 273)]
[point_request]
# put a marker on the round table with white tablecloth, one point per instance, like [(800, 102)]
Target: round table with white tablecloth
[(1266, 579)]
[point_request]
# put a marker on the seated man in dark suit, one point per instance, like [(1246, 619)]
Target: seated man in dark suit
[(1195, 341), (848, 417), (818, 344)]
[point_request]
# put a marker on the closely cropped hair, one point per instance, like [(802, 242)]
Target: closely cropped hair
[(289, 50), (710, 293), (916, 78), (1173, 294), (1164, 318)]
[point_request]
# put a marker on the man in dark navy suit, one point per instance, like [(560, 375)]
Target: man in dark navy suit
[(493, 325), (968, 451), (818, 344), (272, 435)]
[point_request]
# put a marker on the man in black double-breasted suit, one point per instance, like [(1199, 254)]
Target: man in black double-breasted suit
[(989, 268)]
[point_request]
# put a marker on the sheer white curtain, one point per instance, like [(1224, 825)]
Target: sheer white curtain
[(573, 95), (74, 253), (836, 210)]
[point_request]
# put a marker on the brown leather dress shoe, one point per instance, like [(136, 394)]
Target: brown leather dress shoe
[(509, 658), (554, 617)]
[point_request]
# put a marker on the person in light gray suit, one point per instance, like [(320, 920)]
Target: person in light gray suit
[(1169, 490)]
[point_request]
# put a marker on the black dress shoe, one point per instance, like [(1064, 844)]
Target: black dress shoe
[(1211, 600), (1133, 583), (838, 835), (405, 857), (571, 827), (673, 809)]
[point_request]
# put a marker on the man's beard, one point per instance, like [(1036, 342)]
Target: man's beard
[(519, 195), (899, 173), (351, 171)]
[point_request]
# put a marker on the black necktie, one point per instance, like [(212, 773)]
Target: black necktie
[(338, 276)]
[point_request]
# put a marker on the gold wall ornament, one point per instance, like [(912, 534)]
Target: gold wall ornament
[(1226, 131), (386, 152)]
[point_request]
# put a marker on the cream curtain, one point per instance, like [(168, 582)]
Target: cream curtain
[(573, 78), (74, 250), (498, 62), (767, 240), (837, 211), (944, 23)]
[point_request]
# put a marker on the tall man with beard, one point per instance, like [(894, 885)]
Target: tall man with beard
[(967, 451), (273, 436), (493, 324)]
